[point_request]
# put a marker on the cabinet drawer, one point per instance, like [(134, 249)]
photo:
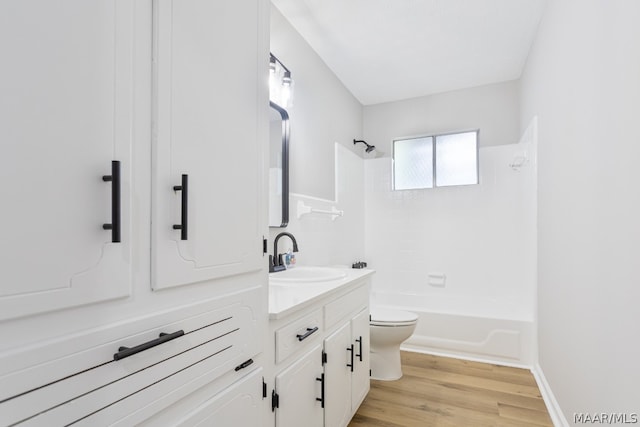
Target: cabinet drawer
[(347, 305), (91, 383), (297, 334)]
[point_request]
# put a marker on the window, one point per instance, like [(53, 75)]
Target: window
[(435, 161)]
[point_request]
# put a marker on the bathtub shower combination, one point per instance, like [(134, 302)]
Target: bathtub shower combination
[(491, 330)]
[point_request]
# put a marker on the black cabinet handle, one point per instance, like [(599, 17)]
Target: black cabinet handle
[(114, 178), (306, 334), (321, 398), (244, 365), (359, 341), (124, 352), (350, 349), (184, 214)]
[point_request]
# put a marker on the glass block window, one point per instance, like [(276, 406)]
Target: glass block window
[(435, 161)]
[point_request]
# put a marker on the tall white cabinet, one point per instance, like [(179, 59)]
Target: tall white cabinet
[(127, 292)]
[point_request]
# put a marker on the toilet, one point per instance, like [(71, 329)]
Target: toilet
[(389, 329)]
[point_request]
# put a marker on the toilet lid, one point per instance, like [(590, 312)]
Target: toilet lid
[(383, 315)]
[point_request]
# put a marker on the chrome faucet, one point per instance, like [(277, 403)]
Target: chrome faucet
[(275, 260)]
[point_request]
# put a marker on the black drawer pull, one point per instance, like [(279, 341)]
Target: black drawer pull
[(306, 334), (130, 351), (321, 398), (244, 365), (184, 211), (359, 341), (114, 178)]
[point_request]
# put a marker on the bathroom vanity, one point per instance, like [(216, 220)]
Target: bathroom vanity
[(317, 354)]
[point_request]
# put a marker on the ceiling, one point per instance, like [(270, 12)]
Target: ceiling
[(387, 50)]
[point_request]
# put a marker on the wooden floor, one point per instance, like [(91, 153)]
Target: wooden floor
[(440, 391)]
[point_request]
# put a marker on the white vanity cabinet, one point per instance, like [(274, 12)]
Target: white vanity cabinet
[(361, 368), (346, 369), (320, 352), (300, 391), (65, 116)]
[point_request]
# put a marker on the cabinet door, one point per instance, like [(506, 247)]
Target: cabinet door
[(65, 114), (360, 378), (238, 406), (337, 410), (211, 104), (298, 387)]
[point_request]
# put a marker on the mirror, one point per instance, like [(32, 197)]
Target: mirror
[(278, 166)]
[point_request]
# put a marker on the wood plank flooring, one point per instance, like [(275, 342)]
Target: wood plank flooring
[(441, 391)]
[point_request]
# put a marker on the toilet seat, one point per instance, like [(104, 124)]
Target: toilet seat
[(390, 318)]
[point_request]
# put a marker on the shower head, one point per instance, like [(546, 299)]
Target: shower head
[(369, 148)]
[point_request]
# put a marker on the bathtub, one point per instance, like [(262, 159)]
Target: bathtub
[(494, 330)]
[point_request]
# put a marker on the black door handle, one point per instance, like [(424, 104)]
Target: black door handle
[(163, 338), (184, 214), (350, 349), (359, 341), (114, 178), (321, 398), (301, 337)]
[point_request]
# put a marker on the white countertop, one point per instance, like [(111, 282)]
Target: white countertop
[(285, 299)]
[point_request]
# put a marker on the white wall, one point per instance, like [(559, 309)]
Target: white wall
[(494, 109), (321, 239), (323, 112), (582, 80), (326, 170)]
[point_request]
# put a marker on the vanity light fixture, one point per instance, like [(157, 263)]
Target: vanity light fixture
[(280, 82), (286, 79)]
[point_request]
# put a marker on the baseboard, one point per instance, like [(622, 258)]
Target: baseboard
[(553, 407)]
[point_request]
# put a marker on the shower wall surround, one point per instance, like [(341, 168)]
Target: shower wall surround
[(480, 237)]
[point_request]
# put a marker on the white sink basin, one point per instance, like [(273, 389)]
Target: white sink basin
[(306, 275)]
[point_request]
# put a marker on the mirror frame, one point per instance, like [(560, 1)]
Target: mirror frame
[(285, 164)]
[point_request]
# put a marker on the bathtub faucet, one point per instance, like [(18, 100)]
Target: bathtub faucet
[(275, 260)]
